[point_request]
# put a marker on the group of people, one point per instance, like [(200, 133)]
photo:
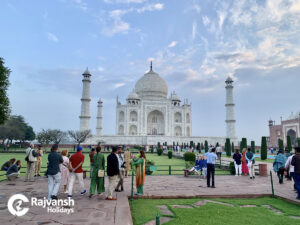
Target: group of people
[(12, 168), (244, 163), (288, 164), (64, 170), (200, 166)]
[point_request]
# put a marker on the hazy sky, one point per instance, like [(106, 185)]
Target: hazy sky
[(194, 46)]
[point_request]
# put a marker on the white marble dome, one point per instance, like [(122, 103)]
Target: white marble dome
[(151, 85), (133, 95)]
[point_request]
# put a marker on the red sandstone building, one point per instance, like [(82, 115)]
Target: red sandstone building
[(289, 127)]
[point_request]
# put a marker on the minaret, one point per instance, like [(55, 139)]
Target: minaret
[(230, 120), (85, 101), (99, 119)]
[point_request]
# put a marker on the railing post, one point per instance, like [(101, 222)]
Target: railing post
[(157, 220), (272, 184), (132, 175), (170, 173)]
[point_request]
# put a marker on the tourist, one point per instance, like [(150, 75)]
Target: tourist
[(219, 152), (31, 158), (237, 163), (245, 169), (13, 171), (53, 172), (8, 164), (287, 154), (91, 155), (127, 159), (121, 172), (197, 166), (38, 163), (97, 180), (203, 166), (140, 172), (296, 164), (76, 162), (112, 171), (211, 160), (250, 157), (64, 170), (278, 165), (289, 167)]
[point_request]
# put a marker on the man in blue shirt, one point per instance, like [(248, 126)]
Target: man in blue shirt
[(211, 160)]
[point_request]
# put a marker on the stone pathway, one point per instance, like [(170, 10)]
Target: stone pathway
[(273, 209), (101, 212)]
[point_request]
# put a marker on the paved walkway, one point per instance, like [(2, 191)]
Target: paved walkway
[(97, 211)]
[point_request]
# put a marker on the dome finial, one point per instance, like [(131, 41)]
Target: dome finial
[(151, 65)]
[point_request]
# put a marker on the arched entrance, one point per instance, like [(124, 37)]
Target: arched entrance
[(155, 123), (293, 136)]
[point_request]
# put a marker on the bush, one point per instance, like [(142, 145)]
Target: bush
[(253, 146), (228, 147), (232, 147), (189, 165), (152, 150), (264, 148), (232, 168), (170, 154), (147, 167), (243, 144), (280, 144), (206, 146), (159, 151), (189, 157)]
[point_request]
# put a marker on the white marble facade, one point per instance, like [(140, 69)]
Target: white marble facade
[(150, 112)]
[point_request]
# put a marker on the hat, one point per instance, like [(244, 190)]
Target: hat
[(79, 148)]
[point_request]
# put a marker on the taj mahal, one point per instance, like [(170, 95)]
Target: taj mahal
[(150, 115)]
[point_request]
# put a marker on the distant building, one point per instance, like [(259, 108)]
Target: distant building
[(289, 127)]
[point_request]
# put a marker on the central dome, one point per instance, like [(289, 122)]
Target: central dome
[(151, 85)]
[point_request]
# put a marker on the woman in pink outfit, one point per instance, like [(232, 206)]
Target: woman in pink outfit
[(64, 169), (245, 170)]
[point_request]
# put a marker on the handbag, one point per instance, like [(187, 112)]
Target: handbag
[(100, 173)]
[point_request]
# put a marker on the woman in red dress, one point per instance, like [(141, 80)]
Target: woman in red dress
[(245, 170)]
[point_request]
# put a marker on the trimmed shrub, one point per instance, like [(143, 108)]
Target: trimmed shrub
[(158, 144), (289, 143), (228, 147), (253, 146), (232, 168), (280, 144), (152, 150), (147, 166), (189, 157), (243, 144), (232, 147), (206, 146), (264, 149), (159, 151), (170, 154)]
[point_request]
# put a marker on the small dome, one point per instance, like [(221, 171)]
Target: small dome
[(293, 116), (151, 85), (229, 80), (87, 72), (175, 97), (133, 95)]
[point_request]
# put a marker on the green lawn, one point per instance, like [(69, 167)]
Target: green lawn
[(145, 210), (162, 163)]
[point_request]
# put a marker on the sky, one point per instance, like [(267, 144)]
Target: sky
[(194, 46)]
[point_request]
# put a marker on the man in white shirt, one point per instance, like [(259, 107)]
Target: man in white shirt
[(121, 172), (289, 166)]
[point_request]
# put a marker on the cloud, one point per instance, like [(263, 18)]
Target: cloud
[(151, 7), (52, 37), (194, 30), (172, 44), (117, 85), (205, 20)]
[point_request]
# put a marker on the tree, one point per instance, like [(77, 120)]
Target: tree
[(4, 100), (80, 136), (198, 146), (280, 144), (232, 147), (57, 136), (289, 143), (44, 137), (264, 148), (158, 144), (206, 146), (243, 144), (217, 145), (228, 147), (253, 147)]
